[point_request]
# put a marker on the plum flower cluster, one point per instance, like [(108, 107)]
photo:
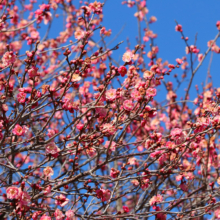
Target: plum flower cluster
[(85, 135)]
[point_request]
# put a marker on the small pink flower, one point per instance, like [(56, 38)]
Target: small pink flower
[(151, 92), (179, 61), (47, 190), (136, 95), (59, 215), (152, 19), (148, 74), (61, 200), (47, 17), (8, 58), (52, 148), (12, 192), (102, 31), (21, 97), (96, 7), (114, 173), (128, 105), (70, 215), (109, 128), (33, 71), (25, 199), (76, 78), (218, 25), (122, 70), (200, 56), (103, 194), (45, 218), (126, 209), (112, 147), (79, 34), (110, 94), (179, 28), (51, 133), (5, 107), (18, 130), (80, 126), (91, 151), (156, 153), (155, 199), (48, 171), (178, 135), (132, 160), (171, 66), (128, 56)]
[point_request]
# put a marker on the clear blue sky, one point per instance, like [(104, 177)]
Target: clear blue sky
[(196, 16)]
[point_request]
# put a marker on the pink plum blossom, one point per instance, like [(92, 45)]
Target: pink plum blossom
[(110, 94), (128, 56), (8, 58), (48, 171), (156, 199), (128, 105), (61, 200), (13, 192)]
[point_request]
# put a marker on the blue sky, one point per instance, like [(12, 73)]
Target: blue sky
[(198, 16)]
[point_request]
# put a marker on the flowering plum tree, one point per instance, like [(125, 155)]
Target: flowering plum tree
[(83, 136)]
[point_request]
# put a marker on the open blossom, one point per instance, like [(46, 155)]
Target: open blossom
[(12, 192), (52, 148), (51, 133), (79, 34), (61, 200), (112, 147), (103, 194), (70, 215), (91, 151), (8, 58), (109, 128), (44, 217), (128, 56), (32, 72), (155, 199), (148, 74), (24, 199), (48, 171), (178, 135), (59, 214), (151, 92), (76, 78), (128, 105), (179, 61), (136, 95), (132, 161), (96, 7), (110, 94), (18, 130), (21, 97), (5, 107), (47, 190)]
